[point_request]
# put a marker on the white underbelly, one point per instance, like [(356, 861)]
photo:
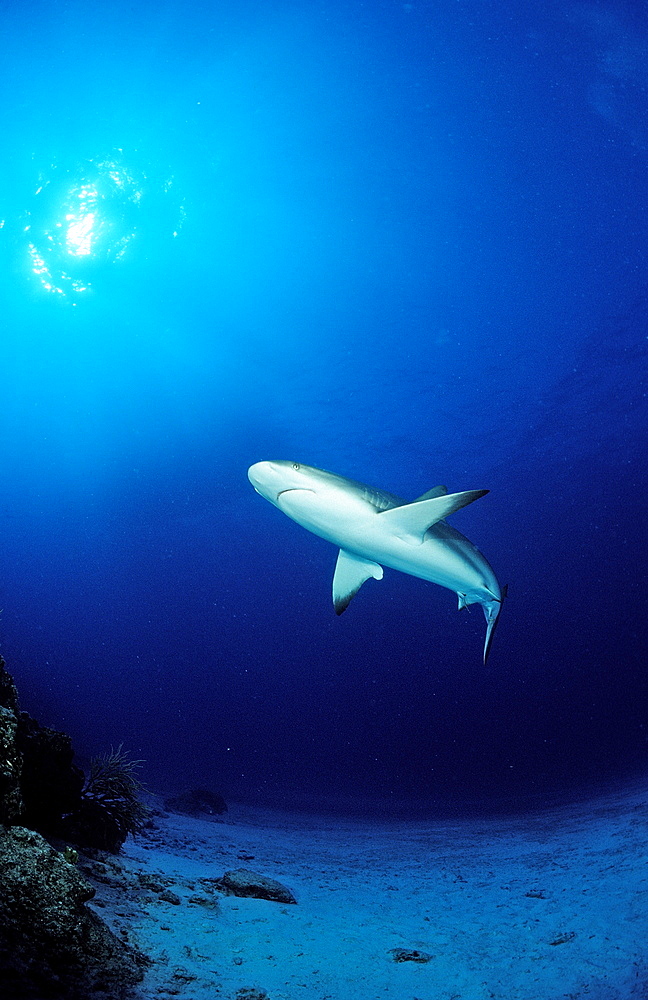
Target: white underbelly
[(433, 559)]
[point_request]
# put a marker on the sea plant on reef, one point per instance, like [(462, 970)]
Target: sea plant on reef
[(42, 788), (111, 807)]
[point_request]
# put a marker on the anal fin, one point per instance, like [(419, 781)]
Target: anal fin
[(350, 573)]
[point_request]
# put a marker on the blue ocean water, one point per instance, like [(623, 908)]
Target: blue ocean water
[(405, 242)]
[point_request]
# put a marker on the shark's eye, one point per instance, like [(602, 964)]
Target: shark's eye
[(296, 466)]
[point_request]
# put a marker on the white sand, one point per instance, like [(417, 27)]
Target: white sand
[(486, 898)]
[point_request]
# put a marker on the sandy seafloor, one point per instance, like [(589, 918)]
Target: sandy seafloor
[(547, 906)]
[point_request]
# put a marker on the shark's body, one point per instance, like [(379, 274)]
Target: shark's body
[(375, 529)]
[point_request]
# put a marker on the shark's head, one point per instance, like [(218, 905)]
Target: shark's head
[(301, 491), (272, 479), (316, 499)]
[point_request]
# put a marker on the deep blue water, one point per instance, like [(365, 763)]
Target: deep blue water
[(403, 242)]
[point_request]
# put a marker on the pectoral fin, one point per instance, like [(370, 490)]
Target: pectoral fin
[(413, 519), (350, 573)]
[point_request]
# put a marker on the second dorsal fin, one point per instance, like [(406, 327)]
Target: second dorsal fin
[(414, 519), (436, 491)]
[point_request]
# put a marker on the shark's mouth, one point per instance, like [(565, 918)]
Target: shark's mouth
[(294, 489)]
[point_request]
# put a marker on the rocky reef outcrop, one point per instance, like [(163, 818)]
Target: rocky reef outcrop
[(51, 944), (11, 803), (197, 802), (39, 783), (43, 789)]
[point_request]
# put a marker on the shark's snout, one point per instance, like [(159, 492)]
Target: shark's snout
[(272, 479), (262, 477), (255, 472)]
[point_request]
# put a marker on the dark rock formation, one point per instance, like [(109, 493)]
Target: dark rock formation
[(42, 789), (197, 801), (8, 692), (38, 781), (11, 804), (242, 882), (51, 944), (50, 783)]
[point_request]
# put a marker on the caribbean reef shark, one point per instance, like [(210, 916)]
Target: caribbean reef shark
[(375, 529)]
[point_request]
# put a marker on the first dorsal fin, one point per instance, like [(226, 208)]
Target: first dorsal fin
[(436, 491), (413, 520), (351, 571)]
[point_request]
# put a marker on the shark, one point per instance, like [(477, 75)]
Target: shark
[(373, 529)]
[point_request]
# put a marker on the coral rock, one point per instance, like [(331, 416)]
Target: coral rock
[(11, 804), (196, 802), (50, 783), (242, 882), (51, 944)]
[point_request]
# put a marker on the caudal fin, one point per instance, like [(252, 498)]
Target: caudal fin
[(491, 613)]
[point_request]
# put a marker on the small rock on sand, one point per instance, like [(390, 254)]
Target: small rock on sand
[(241, 882)]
